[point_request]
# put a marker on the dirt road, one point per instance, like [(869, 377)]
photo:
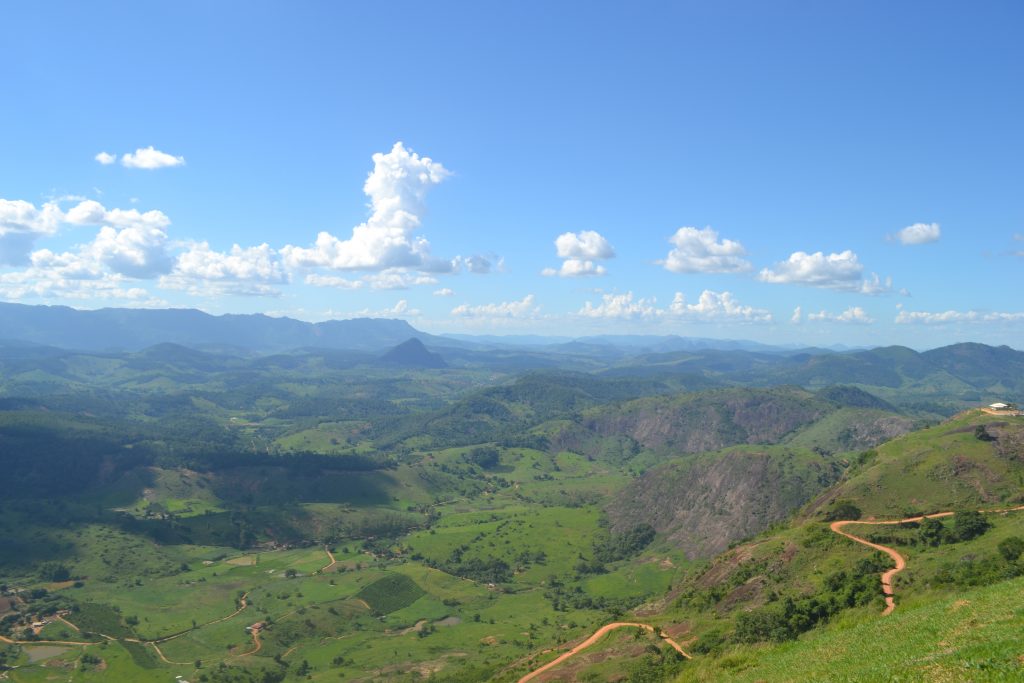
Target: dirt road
[(333, 561), (598, 634), (901, 562)]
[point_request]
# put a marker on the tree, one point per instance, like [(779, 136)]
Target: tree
[(932, 532), (969, 524), (1011, 548)]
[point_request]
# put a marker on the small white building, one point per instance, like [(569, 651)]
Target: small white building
[(999, 406)]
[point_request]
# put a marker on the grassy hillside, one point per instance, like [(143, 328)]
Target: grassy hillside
[(971, 461), (973, 636)]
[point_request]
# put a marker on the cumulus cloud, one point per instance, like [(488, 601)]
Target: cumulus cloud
[(835, 271), (444, 291), (853, 314), (700, 251), (710, 306), (397, 188), (477, 264), (106, 158), (919, 233), (21, 224), (49, 283), (716, 306), (622, 307), (797, 316), (246, 271), (146, 158), (951, 316), (580, 252), (523, 308)]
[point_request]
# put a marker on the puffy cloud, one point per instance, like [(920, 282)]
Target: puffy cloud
[(507, 309), (587, 244), (853, 314), (621, 306), (444, 291), (21, 224), (105, 158), (397, 187), (797, 316), (90, 212), (919, 233), (579, 251), (138, 251), (717, 306), (148, 158), (700, 251), (40, 282), (318, 280), (710, 306), (575, 267), (476, 263), (834, 271), (247, 271), (951, 316)]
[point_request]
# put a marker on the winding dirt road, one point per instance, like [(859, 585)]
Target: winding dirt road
[(901, 562), (598, 634)]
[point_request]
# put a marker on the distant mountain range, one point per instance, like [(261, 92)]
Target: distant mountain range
[(130, 329)]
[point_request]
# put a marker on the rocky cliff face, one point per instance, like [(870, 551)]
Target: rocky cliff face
[(704, 504), (695, 423)]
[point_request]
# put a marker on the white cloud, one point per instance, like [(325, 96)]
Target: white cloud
[(853, 314), (716, 306), (700, 251), (400, 309), (444, 291), (586, 244), (105, 158), (480, 265), (51, 284), (710, 306), (621, 306), (797, 316), (397, 278), (507, 309), (397, 187), (579, 251), (148, 158), (246, 271), (919, 233), (943, 317), (21, 224), (835, 271), (574, 267)]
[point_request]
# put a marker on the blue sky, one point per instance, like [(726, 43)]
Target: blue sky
[(786, 172)]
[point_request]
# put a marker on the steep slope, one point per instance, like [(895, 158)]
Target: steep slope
[(974, 460), (702, 504)]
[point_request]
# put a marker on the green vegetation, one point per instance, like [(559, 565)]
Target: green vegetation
[(390, 593), (407, 523)]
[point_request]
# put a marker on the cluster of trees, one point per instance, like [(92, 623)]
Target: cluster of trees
[(788, 618), (987, 569), (967, 525), (614, 547)]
